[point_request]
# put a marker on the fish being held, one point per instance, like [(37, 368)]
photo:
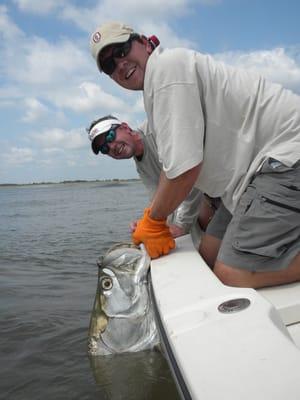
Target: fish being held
[(122, 319)]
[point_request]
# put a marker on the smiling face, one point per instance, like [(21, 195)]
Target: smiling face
[(130, 69), (125, 145)]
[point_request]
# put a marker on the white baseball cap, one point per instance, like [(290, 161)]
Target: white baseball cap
[(99, 128)]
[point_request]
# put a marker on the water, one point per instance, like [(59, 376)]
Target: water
[(50, 238)]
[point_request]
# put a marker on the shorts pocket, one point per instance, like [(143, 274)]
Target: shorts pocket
[(266, 227), (282, 205)]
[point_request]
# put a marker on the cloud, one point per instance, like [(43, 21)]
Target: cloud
[(9, 95), (167, 35), (279, 64), (87, 97), (58, 140), (139, 105), (37, 62), (8, 29), (147, 17), (130, 11), (18, 156), (34, 68), (37, 6), (35, 110), (45, 63)]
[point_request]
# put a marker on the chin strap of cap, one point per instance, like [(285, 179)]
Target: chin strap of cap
[(154, 41)]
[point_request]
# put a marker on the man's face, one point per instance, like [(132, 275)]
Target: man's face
[(130, 69), (123, 146)]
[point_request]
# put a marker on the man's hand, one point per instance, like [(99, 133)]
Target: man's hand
[(155, 234), (176, 230), (133, 225)]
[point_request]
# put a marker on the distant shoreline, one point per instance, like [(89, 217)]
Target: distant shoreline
[(69, 181)]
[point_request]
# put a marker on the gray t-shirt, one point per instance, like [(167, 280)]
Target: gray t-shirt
[(149, 169), (228, 119)]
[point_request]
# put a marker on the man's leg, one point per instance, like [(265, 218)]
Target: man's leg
[(209, 248), (215, 229), (243, 278), (261, 246)]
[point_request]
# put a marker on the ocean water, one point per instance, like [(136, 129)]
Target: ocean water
[(50, 239)]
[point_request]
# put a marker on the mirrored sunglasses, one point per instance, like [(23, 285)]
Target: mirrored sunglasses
[(110, 136), (121, 50)]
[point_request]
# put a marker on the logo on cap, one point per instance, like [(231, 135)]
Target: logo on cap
[(96, 37)]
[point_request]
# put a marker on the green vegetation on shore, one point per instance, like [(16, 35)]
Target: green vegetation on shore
[(69, 181)]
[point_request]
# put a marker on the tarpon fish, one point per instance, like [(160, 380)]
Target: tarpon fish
[(122, 319)]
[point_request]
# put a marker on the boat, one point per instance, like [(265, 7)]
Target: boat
[(225, 342)]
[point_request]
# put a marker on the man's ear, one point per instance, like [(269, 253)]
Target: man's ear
[(124, 125), (147, 44)]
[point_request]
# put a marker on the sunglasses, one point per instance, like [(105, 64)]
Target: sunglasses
[(110, 136), (108, 65)]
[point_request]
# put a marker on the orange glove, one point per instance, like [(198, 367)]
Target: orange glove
[(154, 234)]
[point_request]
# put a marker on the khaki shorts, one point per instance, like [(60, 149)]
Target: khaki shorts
[(264, 231), (218, 224)]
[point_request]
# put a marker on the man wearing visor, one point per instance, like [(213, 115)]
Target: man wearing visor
[(116, 139), (227, 131)]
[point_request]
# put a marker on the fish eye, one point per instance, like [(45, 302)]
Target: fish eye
[(106, 283)]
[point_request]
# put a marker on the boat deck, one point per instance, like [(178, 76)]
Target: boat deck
[(225, 342), (286, 300)]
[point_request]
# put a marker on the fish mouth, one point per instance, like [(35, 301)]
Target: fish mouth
[(97, 327)]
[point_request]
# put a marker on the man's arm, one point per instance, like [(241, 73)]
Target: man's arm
[(181, 220), (152, 229), (187, 212), (149, 169), (171, 192)]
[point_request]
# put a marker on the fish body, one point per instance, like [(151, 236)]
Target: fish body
[(122, 319)]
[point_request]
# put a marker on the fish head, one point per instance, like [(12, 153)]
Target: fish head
[(122, 279), (122, 301)]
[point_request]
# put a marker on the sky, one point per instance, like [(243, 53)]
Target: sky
[(50, 88)]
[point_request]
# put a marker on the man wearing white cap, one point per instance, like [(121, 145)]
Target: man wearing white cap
[(228, 132), (110, 136)]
